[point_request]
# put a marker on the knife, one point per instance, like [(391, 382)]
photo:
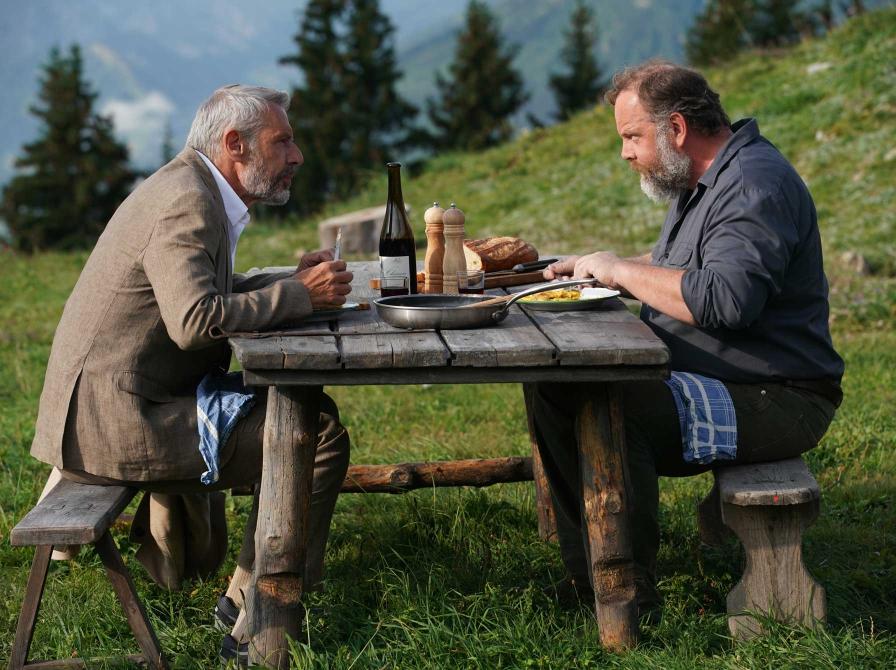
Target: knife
[(534, 265)]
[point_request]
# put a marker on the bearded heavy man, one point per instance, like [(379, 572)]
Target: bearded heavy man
[(143, 327), (735, 288)]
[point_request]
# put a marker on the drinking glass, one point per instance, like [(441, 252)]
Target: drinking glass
[(471, 282)]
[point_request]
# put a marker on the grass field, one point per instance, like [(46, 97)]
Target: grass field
[(451, 578)]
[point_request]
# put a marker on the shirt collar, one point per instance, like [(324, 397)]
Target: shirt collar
[(744, 132), (234, 207)]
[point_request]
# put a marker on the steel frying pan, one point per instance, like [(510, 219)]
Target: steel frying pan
[(455, 312)]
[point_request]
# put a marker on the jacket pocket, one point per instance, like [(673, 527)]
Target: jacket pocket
[(137, 384)]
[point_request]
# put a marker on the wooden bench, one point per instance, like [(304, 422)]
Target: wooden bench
[(78, 514), (768, 506)]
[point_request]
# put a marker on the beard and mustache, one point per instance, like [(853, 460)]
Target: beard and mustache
[(264, 187), (671, 176)]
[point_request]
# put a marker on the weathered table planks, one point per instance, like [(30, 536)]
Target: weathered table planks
[(589, 350)]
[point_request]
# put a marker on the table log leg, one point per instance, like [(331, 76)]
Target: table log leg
[(544, 508), (601, 440), (290, 440)]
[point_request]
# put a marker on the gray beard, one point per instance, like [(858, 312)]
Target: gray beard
[(673, 175), (265, 188)]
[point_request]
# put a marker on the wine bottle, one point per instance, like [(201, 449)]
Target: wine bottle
[(398, 256)]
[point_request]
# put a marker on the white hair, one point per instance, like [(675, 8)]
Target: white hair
[(237, 107)]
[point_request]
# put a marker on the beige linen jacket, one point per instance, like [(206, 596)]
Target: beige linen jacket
[(135, 338)]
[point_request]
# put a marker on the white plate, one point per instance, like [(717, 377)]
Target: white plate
[(589, 298)]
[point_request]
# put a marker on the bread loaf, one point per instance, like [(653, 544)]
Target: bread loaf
[(498, 253)]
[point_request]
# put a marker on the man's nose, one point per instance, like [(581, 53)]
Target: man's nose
[(626, 152), (295, 156)]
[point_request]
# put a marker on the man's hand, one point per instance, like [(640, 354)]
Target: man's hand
[(601, 265), (313, 258), (560, 269), (328, 282)]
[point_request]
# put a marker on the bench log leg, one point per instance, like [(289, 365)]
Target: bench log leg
[(601, 439), (34, 591), (544, 508), (130, 602), (775, 580)]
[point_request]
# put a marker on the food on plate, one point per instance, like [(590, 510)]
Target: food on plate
[(498, 253), (554, 295)]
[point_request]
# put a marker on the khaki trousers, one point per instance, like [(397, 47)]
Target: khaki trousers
[(181, 525)]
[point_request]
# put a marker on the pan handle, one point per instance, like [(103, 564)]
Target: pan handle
[(548, 286)]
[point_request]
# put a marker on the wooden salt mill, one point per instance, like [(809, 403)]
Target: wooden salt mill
[(453, 222), (435, 248)]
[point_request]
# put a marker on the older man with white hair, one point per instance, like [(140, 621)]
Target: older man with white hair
[(143, 328)]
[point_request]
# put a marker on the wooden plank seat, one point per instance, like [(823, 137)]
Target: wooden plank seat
[(768, 506), (78, 514)]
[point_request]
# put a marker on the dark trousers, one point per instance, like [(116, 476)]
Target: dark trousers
[(773, 422)]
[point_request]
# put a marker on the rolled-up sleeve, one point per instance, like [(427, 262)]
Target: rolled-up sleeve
[(182, 271), (745, 252)]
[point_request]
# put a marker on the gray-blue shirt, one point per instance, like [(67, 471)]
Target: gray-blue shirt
[(747, 237)]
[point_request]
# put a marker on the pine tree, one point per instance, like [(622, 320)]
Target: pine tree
[(168, 152), (581, 85), (347, 116), (71, 179), (719, 32), (315, 110), (378, 119), (775, 23), (472, 109), (725, 27)]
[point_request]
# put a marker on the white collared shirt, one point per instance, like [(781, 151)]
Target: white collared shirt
[(235, 209)]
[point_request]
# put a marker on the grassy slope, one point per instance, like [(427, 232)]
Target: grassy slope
[(450, 578)]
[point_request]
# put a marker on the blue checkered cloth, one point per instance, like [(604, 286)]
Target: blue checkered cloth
[(706, 417), (221, 401)]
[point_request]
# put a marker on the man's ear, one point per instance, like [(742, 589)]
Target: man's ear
[(679, 129), (235, 146)]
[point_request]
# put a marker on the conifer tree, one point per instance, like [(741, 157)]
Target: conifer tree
[(315, 109), (719, 32), (168, 152), (472, 108), (725, 27), (581, 84), (378, 119), (775, 23), (347, 116), (73, 177)]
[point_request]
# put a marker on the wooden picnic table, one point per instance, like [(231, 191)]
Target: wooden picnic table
[(593, 350)]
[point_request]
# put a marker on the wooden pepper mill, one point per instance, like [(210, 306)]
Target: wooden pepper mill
[(453, 222), (435, 248)]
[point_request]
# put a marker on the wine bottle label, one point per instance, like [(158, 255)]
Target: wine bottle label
[(394, 266)]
